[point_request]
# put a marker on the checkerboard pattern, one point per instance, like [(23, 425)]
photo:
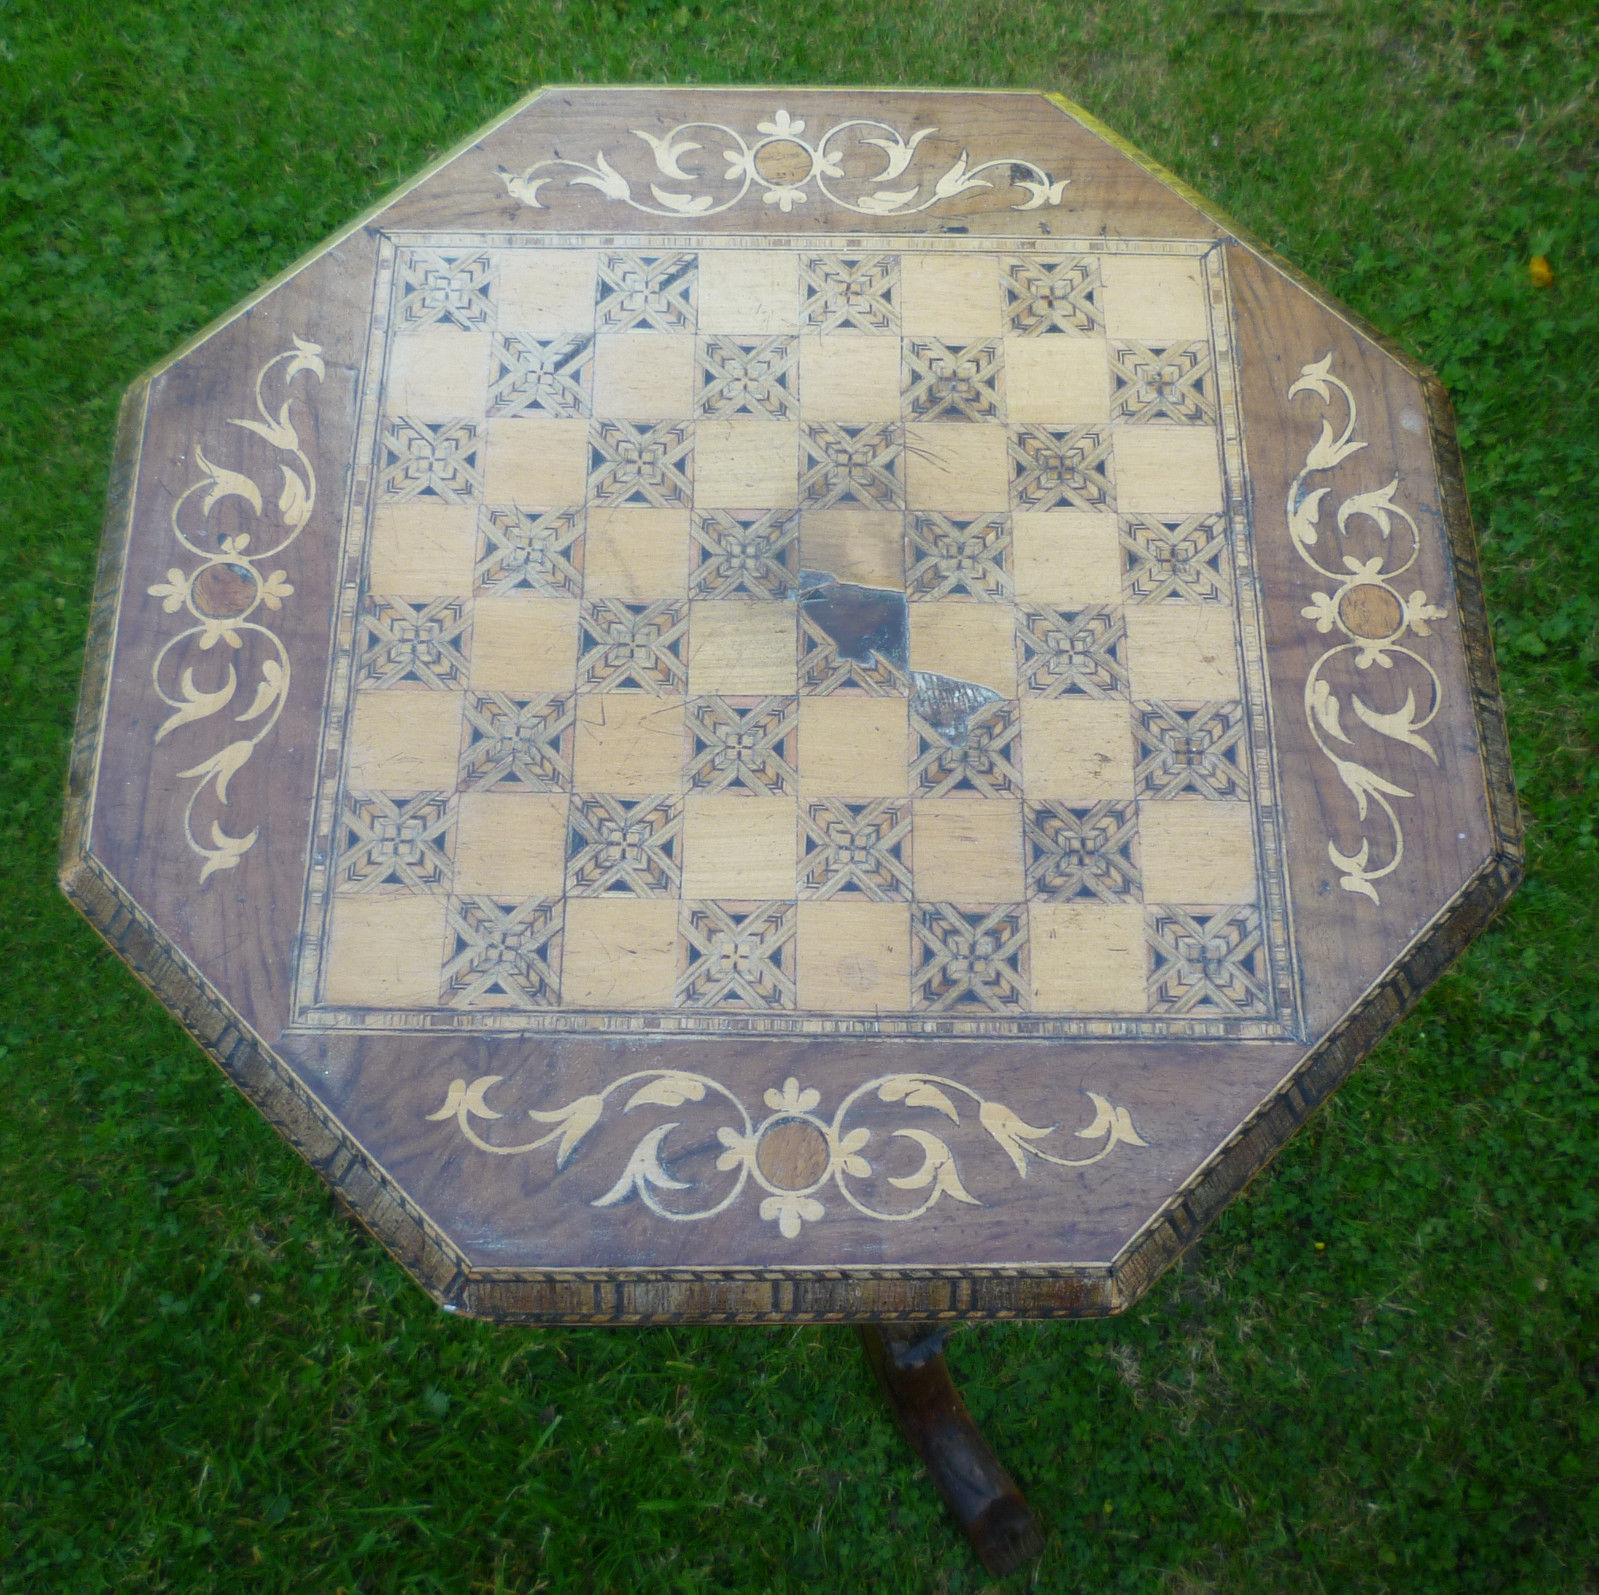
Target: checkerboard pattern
[(597, 754)]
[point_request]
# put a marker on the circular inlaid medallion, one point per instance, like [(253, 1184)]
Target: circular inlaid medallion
[(223, 591), (783, 161), (1370, 611), (792, 1155)]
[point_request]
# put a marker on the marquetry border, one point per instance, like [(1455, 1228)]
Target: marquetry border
[(753, 1295)]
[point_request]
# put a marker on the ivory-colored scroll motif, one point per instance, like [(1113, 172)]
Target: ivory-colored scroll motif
[(226, 596), (792, 1154), (1376, 620), (785, 167)]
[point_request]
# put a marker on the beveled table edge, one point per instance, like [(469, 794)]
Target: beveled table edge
[(761, 1295)]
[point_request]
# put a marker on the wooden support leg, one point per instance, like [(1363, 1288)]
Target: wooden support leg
[(908, 1360)]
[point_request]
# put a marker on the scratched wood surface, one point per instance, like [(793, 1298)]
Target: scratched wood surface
[(789, 704)]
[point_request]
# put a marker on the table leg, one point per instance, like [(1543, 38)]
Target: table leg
[(908, 1360)]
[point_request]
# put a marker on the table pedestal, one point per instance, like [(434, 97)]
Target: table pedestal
[(908, 1360)]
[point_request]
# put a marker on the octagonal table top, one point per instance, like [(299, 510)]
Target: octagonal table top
[(753, 704)]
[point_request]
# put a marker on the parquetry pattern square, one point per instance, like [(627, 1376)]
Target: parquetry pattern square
[(646, 292), (502, 954), (1060, 296), (859, 466), (1190, 750), (984, 762), (968, 958), (414, 642), (1082, 850), (745, 745), (517, 743), (1069, 651), (950, 556), (952, 382), (541, 376), (849, 293), (745, 553), (446, 288), (387, 841), (738, 956), (1170, 383), (747, 377), (624, 845), (856, 849), (431, 459), (633, 462), (1207, 962), (533, 552), (1062, 468), (1175, 558), (632, 647)]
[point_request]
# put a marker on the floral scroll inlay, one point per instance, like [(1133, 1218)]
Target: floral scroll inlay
[(792, 1154), (1377, 621), (227, 593), (784, 166)]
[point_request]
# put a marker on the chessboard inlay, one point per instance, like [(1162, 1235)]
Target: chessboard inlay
[(798, 636)]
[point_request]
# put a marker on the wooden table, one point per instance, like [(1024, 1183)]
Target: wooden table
[(763, 706)]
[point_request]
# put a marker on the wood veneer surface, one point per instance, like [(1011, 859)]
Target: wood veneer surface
[(764, 704)]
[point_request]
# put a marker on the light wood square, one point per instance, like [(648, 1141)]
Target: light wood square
[(956, 467), (644, 376), (619, 952), (866, 547), (1088, 957), (852, 377), (438, 374), (1182, 653), (547, 292), (955, 298), (510, 844), (748, 290), (967, 851), (628, 743), (1057, 381), (385, 952), (404, 742), (853, 957), (1154, 298), (1196, 853), (536, 462), (634, 554), (422, 550), (1077, 748), (741, 848), (1167, 470), (972, 642), (741, 648), (745, 464), (524, 645), (1068, 559), (854, 747)]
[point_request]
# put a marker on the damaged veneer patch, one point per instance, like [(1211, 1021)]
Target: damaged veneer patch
[(871, 625)]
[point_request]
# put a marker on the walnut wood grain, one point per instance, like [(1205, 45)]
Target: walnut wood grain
[(544, 1157)]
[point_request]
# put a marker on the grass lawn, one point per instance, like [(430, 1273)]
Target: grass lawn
[(1380, 1371)]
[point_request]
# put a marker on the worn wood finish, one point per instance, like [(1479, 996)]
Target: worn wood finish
[(753, 705)]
